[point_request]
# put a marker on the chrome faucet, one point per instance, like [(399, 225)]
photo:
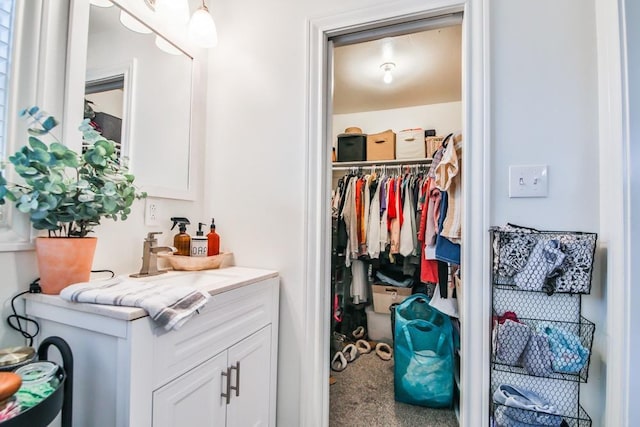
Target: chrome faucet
[(150, 257)]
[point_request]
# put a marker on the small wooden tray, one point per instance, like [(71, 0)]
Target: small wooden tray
[(194, 263)]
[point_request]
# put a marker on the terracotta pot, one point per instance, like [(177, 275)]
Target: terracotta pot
[(63, 261)]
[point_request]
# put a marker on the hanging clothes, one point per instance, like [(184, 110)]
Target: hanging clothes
[(448, 178)]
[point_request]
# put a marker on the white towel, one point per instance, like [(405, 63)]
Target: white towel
[(169, 305)]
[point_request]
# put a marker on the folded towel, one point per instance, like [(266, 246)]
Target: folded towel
[(169, 305)]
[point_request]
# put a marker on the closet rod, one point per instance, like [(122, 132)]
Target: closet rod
[(380, 164)]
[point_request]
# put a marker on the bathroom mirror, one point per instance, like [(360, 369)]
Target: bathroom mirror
[(140, 93)]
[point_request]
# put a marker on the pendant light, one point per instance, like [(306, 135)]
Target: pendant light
[(202, 28)]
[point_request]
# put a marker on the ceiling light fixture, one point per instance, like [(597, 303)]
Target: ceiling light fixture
[(387, 67)]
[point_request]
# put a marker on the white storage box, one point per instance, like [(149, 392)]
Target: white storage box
[(410, 144), (384, 296), (378, 326)]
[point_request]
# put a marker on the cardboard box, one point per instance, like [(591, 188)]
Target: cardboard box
[(385, 295)]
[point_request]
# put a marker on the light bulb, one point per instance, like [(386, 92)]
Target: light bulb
[(388, 77), (387, 67), (202, 29), (101, 3), (133, 24), (167, 47)]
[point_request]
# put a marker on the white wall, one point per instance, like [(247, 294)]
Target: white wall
[(543, 107), (445, 118), (633, 71)]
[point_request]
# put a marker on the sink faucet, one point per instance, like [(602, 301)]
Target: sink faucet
[(150, 257)]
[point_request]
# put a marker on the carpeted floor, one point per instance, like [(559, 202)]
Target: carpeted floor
[(363, 396)]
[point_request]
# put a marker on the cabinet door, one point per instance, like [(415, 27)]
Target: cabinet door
[(250, 407), (193, 399)]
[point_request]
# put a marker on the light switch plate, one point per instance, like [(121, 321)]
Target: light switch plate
[(528, 181)]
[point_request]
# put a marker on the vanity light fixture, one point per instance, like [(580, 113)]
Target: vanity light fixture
[(202, 28), (387, 67)]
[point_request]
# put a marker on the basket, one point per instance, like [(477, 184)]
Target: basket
[(543, 261), (191, 263)]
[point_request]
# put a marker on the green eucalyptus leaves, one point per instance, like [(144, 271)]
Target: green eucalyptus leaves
[(65, 192)]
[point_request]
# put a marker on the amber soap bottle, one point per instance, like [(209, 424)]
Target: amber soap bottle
[(214, 240), (181, 241)]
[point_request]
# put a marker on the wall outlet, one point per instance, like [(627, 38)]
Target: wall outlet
[(528, 181), (151, 212)]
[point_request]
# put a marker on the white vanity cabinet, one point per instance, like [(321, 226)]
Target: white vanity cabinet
[(218, 369)]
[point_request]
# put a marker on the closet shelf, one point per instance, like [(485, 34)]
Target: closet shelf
[(511, 287), (369, 163)]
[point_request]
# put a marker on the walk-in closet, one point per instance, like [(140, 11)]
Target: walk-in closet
[(396, 276)]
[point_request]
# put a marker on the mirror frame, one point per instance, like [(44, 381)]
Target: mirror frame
[(76, 77)]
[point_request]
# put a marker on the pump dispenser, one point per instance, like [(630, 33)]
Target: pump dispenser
[(182, 241), (199, 242), (214, 240)]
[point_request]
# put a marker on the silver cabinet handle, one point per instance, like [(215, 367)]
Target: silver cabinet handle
[(237, 386), (227, 395)]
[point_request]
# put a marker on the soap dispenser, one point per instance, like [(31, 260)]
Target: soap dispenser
[(214, 240), (199, 242), (182, 241)]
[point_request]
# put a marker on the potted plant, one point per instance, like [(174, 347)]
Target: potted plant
[(67, 194)]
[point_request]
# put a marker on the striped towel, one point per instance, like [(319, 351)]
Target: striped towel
[(170, 306)]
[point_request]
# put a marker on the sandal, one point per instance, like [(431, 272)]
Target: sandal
[(350, 352), (358, 333), (384, 351), (339, 362), (363, 346)]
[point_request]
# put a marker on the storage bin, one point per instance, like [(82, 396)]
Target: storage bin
[(378, 326), (432, 144), (410, 144), (352, 147), (381, 146), (385, 295)]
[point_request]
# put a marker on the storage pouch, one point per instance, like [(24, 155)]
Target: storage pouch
[(410, 144), (423, 351), (381, 146), (352, 147), (569, 355)]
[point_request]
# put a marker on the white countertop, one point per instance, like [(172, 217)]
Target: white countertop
[(212, 281)]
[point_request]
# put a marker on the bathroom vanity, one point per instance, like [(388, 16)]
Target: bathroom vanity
[(218, 369)]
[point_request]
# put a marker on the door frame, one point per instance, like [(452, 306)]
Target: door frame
[(314, 385)]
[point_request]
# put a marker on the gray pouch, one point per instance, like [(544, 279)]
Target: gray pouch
[(512, 340), (537, 356)]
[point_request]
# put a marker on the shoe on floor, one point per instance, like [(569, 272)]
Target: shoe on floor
[(363, 346), (350, 352), (339, 362), (384, 351), (358, 333)]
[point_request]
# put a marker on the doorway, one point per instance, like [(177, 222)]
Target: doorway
[(475, 339), (400, 87)]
